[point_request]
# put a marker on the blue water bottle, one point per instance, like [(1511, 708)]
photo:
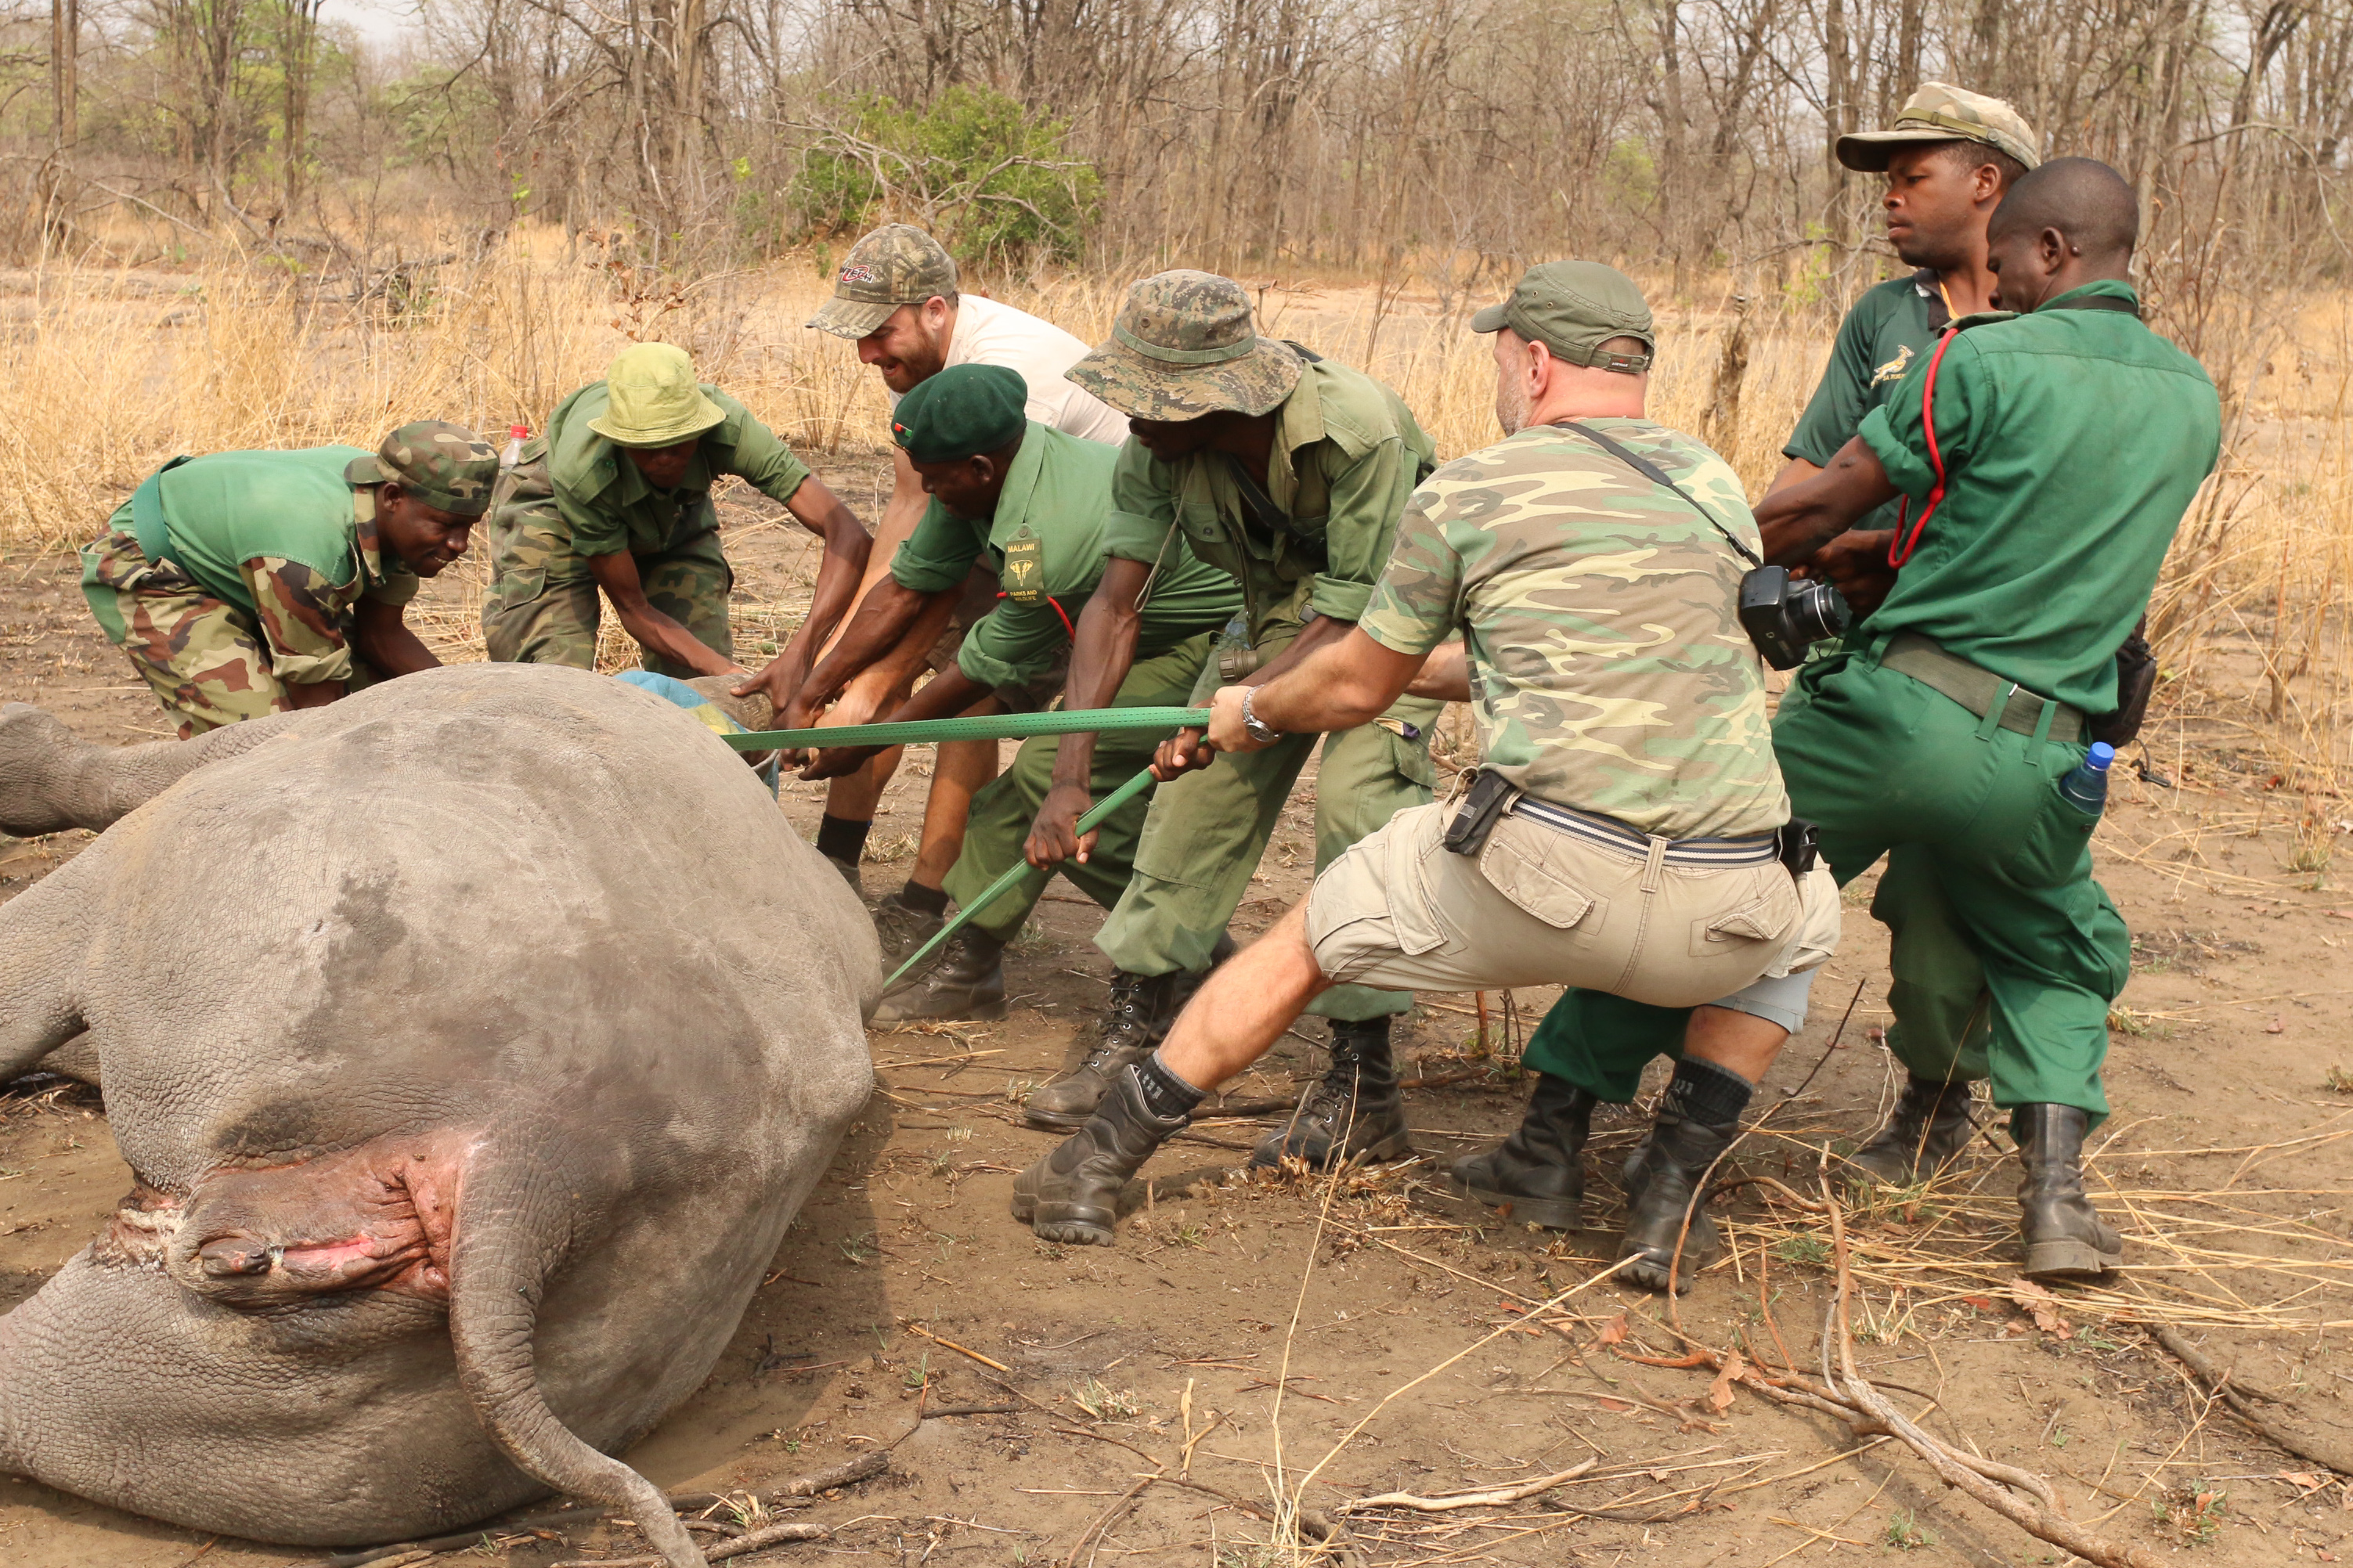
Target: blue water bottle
[(2086, 788)]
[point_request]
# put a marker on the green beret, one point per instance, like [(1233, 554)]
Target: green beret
[(964, 410)]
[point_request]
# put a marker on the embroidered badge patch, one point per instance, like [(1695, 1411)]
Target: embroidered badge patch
[(859, 274), (1894, 369), (1023, 577)]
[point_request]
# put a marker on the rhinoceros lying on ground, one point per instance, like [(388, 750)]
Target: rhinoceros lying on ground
[(472, 1041)]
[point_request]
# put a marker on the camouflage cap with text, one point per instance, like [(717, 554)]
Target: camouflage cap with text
[(896, 265), (446, 465), (1185, 344), (1941, 112)]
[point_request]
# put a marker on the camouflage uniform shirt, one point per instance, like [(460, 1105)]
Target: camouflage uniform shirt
[(605, 499), (283, 538), (1609, 671)]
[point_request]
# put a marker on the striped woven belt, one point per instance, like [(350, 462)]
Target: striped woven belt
[(1616, 835)]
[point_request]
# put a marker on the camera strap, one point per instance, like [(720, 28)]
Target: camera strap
[(1657, 476), (1900, 547)]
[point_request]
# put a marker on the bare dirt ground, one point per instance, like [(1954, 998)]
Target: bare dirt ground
[(1248, 1343)]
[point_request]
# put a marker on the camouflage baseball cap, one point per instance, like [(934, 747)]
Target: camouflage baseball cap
[(1184, 345), (446, 465), (1573, 308), (1939, 112), (896, 265)]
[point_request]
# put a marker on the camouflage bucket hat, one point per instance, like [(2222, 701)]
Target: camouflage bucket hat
[(1185, 345), (446, 465), (653, 400), (896, 265), (1940, 112)]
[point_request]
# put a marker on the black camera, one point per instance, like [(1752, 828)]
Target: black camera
[(1785, 615)]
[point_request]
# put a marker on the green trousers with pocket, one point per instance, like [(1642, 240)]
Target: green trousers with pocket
[(1003, 809), (2008, 952)]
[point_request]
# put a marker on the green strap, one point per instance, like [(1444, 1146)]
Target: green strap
[(995, 727), (1020, 869)]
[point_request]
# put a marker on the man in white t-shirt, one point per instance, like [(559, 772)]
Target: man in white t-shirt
[(896, 297)]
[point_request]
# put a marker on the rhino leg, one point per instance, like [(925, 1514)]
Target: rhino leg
[(50, 781), (40, 969)]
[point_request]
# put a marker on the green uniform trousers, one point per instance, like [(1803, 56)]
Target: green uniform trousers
[(1206, 832), (1988, 857), (542, 606), (1002, 811)]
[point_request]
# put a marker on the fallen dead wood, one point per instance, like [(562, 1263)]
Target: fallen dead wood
[(749, 1541), (1488, 1497), (2333, 1453)]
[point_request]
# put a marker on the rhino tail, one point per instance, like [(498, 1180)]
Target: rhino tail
[(508, 1235)]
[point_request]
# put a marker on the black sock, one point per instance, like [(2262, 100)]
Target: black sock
[(1169, 1096), (842, 839), (931, 900), (1704, 1092)]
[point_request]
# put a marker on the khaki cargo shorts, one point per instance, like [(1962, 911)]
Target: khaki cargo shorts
[(1540, 905)]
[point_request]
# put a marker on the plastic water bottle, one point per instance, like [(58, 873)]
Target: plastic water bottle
[(516, 436), (2086, 788)]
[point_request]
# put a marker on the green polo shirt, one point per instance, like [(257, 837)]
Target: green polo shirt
[(1348, 455), (2073, 439), (1889, 328), (1046, 544), (609, 506), (226, 508)]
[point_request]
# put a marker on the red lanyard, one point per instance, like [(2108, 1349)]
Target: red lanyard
[(1900, 547), (1061, 611)]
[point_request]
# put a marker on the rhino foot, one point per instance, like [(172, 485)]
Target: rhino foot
[(38, 778)]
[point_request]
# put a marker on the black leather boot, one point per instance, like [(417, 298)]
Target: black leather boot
[(1534, 1175), (902, 928), (1930, 1130), (967, 982), (1699, 1116), (1071, 1195), (1355, 1112), (1136, 1019), (2064, 1233)]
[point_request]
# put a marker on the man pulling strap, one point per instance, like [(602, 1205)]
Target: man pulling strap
[(1626, 833)]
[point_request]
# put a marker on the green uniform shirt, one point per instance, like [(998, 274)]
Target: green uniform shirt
[(225, 510), (1609, 671), (1046, 544), (2073, 440), (609, 506), (1347, 454), (1892, 325)]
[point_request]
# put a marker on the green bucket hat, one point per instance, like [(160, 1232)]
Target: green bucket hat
[(1940, 112), (963, 410), (653, 399), (446, 465), (1573, 308), (896, 265), (1184, 345)]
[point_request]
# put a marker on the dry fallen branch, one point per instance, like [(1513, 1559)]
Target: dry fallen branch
[(1489, 1496), (2334, 1452)]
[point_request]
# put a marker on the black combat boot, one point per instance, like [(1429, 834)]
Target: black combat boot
[(1071, 1195), (1930, 1128), (904, 927), (1136, 1019), (2064, 1233), (969, 981), (1534, 1175), (1354, 1112), (1698, 1117)]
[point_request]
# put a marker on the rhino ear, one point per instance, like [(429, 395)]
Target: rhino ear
[(504, 1245)]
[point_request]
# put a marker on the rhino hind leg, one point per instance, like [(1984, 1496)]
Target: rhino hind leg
[(40, 970), (50, 780)]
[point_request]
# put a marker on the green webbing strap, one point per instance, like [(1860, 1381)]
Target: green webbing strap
[(1021, 869), (995, 727)]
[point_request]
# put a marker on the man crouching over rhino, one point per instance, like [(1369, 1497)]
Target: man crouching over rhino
[(1625, 833), (459, 1142)]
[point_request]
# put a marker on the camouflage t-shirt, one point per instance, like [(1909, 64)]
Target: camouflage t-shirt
[(1608, 672)]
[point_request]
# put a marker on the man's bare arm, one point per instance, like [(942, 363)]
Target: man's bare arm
[(1800, 519), (1102, 652), (617, 573), (381, 634), (1796, 471), (838, 573), (1346, 683), (944, 696), (1445, 675), (889, 609)]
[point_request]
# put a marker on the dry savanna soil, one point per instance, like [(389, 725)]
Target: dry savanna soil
[(1254, 1354)]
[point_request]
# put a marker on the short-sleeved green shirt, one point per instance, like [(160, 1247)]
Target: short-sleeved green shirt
[(1892, 325), (609, 506), (2073, 439), (1347, 453), (1045, 544), (1608, 669)]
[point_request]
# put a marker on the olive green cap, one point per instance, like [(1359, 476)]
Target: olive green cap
[(652, 398), (1573, 308), (446, 465), (963, 410), (1185, 344), (1941, 112), (896, 265)]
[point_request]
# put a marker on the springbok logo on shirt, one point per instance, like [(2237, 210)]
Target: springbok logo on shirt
[(1894, 369)]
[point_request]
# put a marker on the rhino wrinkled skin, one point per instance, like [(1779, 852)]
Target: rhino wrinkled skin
[(472, 1042)]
